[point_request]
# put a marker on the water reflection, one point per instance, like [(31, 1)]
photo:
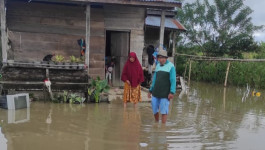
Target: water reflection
[(204, 117), (3, 140), (18, 116)]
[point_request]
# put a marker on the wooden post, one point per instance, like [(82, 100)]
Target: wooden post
[(162, 29), (227, 71), (87, 36), (174, 44), (224, 97), (47, 73), (184, 75), (174, 48), (3, 30), (190, 71)]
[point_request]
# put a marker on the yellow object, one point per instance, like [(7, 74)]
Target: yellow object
[(253, 93)]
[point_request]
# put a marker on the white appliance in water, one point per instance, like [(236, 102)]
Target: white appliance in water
[(18, 101)]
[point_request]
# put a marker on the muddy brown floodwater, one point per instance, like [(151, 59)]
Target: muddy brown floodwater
[(205, 117)]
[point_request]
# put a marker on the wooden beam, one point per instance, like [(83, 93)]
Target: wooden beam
[(189, 73), (41, 83), (206, 58), (156, 4), (136, 3), (88, 12), (162, 30), (174, 46), (49, 29), (227, 72), (184, 75), (47, 73), (224, 98), (3, 30), (21, 82)]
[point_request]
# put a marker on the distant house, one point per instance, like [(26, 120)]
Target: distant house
[(32, 29)]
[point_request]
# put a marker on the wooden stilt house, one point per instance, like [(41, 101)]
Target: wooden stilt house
[(32, 29)]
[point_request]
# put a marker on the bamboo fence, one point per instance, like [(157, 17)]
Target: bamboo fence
[(205, 58)]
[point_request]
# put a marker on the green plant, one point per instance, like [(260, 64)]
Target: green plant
[(90, 91), (32, 96), (78, 60), (98, 86), (72, 59), (57, 98), (59, 58), (76, 99), (65, 96)]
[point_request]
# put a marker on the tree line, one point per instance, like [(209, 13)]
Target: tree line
[(220, 28)]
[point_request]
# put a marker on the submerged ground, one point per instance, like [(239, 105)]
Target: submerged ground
[(205, 117)]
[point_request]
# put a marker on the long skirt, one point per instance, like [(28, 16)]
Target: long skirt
[(132, 94)]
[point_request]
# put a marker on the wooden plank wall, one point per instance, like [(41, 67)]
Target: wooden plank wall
[(122, 18), (97, 44), (37, 29)]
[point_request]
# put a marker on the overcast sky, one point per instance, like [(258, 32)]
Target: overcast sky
[(258, 17)]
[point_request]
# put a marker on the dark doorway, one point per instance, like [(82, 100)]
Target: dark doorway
[(117, 49)]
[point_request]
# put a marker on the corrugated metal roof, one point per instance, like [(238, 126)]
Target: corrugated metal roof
[(167, 1), (169, 22)]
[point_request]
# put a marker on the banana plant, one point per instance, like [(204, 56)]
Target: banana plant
[(97, 87)]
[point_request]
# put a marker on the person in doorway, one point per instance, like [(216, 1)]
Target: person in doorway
[(132, 76), (163, 86), (109, 70), (150, 51)]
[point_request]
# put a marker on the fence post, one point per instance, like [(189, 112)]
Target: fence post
[(184, 75), (227, 71), (190, 71)]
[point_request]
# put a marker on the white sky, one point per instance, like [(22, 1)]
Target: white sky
[(258, 17)]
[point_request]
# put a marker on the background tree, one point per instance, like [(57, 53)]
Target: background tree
[(221, 28)]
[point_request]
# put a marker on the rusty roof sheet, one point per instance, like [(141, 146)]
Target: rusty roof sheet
[(170, 23), (166, 1)]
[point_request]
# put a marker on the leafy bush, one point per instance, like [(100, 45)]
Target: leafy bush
[(97, 87), (67, 97), (74, 59), (59, 58)]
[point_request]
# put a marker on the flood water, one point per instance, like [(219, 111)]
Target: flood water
[(205, 117)]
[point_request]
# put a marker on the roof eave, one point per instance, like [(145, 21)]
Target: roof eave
[(147, 4), (138, 3), (167, 28)]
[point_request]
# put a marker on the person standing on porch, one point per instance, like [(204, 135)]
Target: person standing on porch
[(132, 76), (163, 86)]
